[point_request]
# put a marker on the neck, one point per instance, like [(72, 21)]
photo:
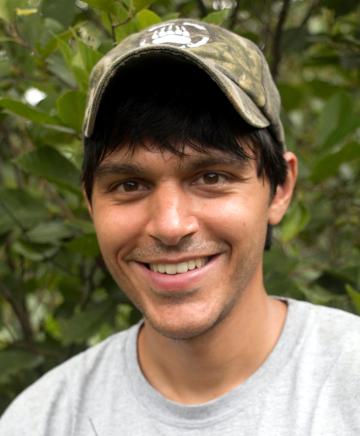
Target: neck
[(205, 367)]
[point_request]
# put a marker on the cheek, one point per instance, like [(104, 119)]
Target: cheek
[(116, 227), (237, 219)]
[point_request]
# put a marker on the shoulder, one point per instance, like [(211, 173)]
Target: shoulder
[(337, 347), (340, 331), (331, 340), (55, 394), (333, 326), (327, 319)]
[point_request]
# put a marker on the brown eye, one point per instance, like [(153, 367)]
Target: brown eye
[(130, 186), (211, 178)]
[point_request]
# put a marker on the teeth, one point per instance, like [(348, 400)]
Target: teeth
[(199, 263), (178, 268), (170, 269), (182, 267)]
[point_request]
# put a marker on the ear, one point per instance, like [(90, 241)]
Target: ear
[(281, 200)]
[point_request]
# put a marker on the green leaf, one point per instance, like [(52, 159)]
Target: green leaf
[(328, 165), (35, 252), (103, 5), (48, 163), (85, 324), (71, 107), (58, 68), (14, 361), (294, 222), (49, 232), (86, 245), (292, 96), (6, 223), (65, 49), (170, 16), (28, 112), (146, 18), (217, 17), (74, 62), (138, 5), (126, 29), (295, 39), (341, 7), (338, 119), (5, 39), (80, 60), (62, 11), (322, 89), (88, 55), (18, 208), (6, 12), (31, 30), (317, 295), (82, 225), (354, 297), (8, 8)]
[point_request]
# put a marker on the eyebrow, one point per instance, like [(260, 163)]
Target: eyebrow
[(210, 161), (115, 168)]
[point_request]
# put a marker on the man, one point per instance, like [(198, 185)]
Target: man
[(185, 173)]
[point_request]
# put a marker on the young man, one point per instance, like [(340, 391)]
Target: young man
[(185, 172)]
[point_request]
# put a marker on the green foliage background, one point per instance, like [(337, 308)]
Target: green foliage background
[(56, 297)]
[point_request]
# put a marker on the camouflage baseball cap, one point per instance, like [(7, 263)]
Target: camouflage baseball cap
[(235, 64)]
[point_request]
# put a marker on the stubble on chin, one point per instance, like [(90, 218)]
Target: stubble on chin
[(189, 329)]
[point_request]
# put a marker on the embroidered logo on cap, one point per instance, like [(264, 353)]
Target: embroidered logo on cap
[(187, 34)]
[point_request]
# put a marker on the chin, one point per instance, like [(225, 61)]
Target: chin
[(186, 329), (182, 333)]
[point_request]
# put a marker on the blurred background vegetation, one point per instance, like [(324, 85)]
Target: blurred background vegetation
[(56, 297)]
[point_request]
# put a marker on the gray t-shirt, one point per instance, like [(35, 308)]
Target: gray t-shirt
[(308, 386)]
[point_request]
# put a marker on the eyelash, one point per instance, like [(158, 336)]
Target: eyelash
[(116, 186), (219, 175), (225, 178)]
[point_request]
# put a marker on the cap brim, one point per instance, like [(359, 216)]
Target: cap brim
[(242, 103)]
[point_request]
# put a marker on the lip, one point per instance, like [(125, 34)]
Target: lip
[(176, 282)]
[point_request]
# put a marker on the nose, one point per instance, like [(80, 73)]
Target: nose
[(172, 215)]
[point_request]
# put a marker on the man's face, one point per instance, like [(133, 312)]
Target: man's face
[(182, 237)]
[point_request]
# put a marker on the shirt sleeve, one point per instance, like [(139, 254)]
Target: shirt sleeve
[(43, 409)]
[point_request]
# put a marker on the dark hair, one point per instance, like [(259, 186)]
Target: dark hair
[(172, 104)]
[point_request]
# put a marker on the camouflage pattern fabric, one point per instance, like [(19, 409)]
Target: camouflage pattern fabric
[(235, 63)]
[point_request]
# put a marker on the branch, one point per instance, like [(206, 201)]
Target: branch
[(13, 217), (233, 16), (120, 23), (113, 34), (20, 311), (277, 42), (89, 284), (13, 31), (309, 13), (202, 8)]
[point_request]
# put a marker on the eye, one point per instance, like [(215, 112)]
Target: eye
[(211, 178), (129, 186)]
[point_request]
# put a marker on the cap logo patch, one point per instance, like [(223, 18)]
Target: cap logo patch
[(184, 35)]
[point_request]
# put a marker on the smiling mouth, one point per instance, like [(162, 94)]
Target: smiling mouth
[(178, 268)]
